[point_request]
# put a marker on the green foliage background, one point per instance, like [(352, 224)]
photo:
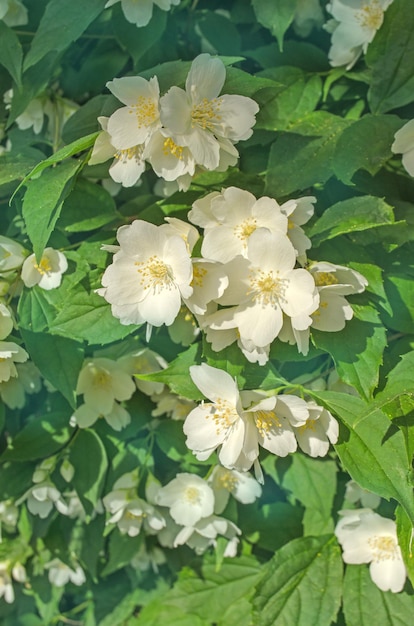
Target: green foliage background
[(320, 130)]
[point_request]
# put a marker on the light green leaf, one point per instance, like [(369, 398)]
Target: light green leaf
[(36, 309), (58, 27), (405, 531), (88, 456), (40, 438), (303, 584), (352, 215), (371, 449), (43, 202), (366, 144), (159, 613), (11, 53), (59, 360), (277, 16), (313, 483), (363, 600), (391, 63)]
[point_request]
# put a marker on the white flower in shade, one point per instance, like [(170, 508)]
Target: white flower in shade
[(140, 12), (366, 537), (85, 415), (128, 165), (219, 422), (318, 432), (198, 117), (404, 144), (354, 493), (6, 585), (171, 405), (187, 232), (144, 361), (354, 27), (6, 321), (209, 283), (102, 381), (42, 498), (308, 15), (231, 219), (241, 485), (134, 515), (169, 160), (61, 574), (13, 391), (10, 353), (9, 513), (184, 329), (133, 124), (263, 287), (188, 497), (12, 254), (47, 274), (299, 212), (203, 534), (148, 276), (13, 13), (334, 383), (148, 558)]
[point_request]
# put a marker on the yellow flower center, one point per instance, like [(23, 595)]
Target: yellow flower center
[(266, 421), (206, 113), (228, 480), (44, 266), (245, 229), (101, 377), (170, 147), (322, 279), (371, 15), (154, 273), (198, 276), (267, 287), (224, 415), (192, 495), (383, 547), (146, 111), (308, 425), (129, 153)]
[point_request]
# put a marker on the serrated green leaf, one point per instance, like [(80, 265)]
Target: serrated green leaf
[(277, 16), (313, 483), (16, 166), (363, 599), (88, 456), (303, 584), (355, 214), (392, 80), (36, 309), (59, 360), (366, 144), (371, 449), (43, 202), (11, 53), (58, 28)]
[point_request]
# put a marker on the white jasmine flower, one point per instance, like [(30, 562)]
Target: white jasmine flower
[(9, 513), (366, 537), (6, 586), (48, 272), (184, 328), (219, 422), (308, 15), (203, 534), (188, 497), (133, 124), (149, 275), (209, 283), (42, 497), (148, 558), (319, 430), (232, 217), (13, 391), (241, 485), (404, 144), (198, 116), (12, 254), (102, 381), (144, 361), (354, 493), (299, 212), (6, 321), (60, 574), (131, 515), (355, 26), (85, 415), (10, 353), (140, 12), (171, 405), (13, 13), (187, 232), (169, 160)]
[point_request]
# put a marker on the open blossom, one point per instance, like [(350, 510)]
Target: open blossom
[(404, 144), (60, 573), (201, 119), (188, 497), (12, 254), (101, 381), (140, 12), (13, 391), (353, 28), (13, 13), (203, 534), (299, 212), (241, 485), (354, 493), (47, 273), (366, 537), (10, 353), (149, 275), (318, 432)]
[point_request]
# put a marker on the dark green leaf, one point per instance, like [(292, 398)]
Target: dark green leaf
[(121, 550), (88, 206), (11, 54), (277, 16), (88, 456)]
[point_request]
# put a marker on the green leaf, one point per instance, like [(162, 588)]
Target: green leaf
[(16, 166), (366, 144), (58, 27), (88, 456), (59, 360), (11, 53), (352, 215), (36, 309), (363, 600), (158, 613), (391, 63), (357, 350), (84, 121), (88, 317), (126, 33), (303, 157), (260, 522), (177, 376), (303, 584), (405, 540), (169, 437), (277, 16), (371, 449), (313, 483), (88, 206), (40, 438), (220, 32), (398, 285), (121, 550), (43, 202), (15, 479)]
